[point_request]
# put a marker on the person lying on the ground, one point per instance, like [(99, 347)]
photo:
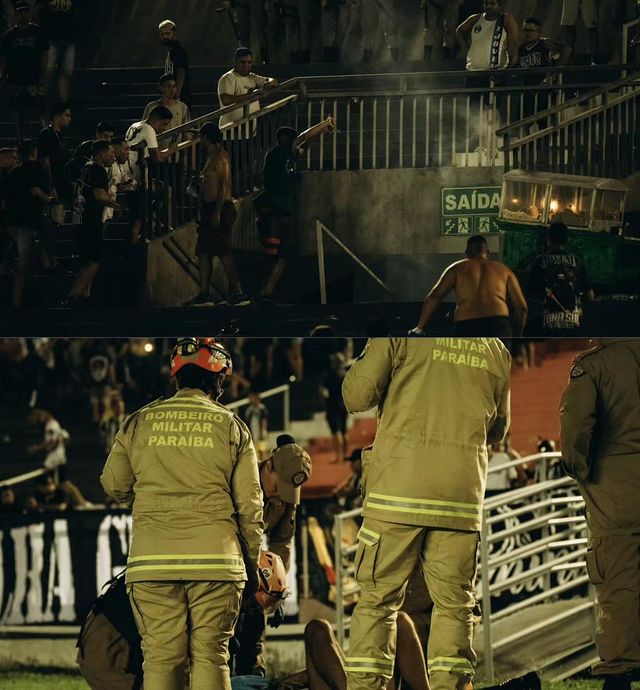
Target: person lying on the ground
[(325, 662)]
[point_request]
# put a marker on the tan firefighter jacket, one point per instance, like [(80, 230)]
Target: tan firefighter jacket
[(188, 467), (440, 401), (600, 434)]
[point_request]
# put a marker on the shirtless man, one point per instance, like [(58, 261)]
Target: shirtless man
[(217, 217), (325, 662), (484, 291)]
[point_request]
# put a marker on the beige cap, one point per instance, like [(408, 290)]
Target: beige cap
[(293, 465)]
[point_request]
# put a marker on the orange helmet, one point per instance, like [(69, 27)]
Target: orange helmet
[(273, 581), (206, 353)]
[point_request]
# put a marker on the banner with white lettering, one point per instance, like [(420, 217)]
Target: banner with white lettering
[(53, 566), (470, 210)]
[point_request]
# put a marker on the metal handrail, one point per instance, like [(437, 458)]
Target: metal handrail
[(624, 53), (612, 86), (285, 389), (321, 228), (21, 478), (244, 105)]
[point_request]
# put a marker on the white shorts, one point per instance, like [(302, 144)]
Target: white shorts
[(587, 8)]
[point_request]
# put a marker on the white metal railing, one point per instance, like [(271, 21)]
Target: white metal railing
[(533, 541), (321, 230), (284, 390), (27, 476)]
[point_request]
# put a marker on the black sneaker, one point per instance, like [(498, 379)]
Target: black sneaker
[(266, 300), (200, 300), (241, 300)]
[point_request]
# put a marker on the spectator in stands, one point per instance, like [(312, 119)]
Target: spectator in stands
[(256, 415), (25, 197), (336, 412), (489, 39), (101, 378), (298, 18), (441, 20), (490, 301), (217, 218), (505, 479), (570, 11), (533, 53), (105, 131), (168, 87), (8, 501), (558, 284), (275, 204), (333, 23), (623, 11), (177, 61), (48, 496), (60, 22), (53, 157), (235, 86), (23, 63), (378, 18), (142, 138), (112, 420), (254, 18), (54, 448), (96, 196)]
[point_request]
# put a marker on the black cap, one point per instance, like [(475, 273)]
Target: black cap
[(284, 439), (21, 5)]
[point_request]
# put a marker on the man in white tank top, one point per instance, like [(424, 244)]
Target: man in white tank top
[(490, 39)]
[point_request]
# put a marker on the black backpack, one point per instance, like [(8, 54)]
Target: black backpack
[(109, 650)]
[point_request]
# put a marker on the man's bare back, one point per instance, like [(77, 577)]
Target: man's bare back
[(481, 287), (485, 290)]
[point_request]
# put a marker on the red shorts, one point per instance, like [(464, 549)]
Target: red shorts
[(215, 240)]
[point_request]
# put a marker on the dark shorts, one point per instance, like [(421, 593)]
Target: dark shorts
[(92, 243), (275, 234), (488, 327), (215, 240), (337, 421), (25, 97)]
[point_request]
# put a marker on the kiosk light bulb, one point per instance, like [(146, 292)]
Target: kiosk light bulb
[(554, 205)]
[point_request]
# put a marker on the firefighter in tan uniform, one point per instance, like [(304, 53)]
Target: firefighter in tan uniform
[(281, 477), (600, 423), (440, 402), (188, 467)]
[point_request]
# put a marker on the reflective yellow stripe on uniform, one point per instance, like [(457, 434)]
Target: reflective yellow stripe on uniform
[(204, 561), (401, 504), (368, 536), (457, 664), (368, 664)]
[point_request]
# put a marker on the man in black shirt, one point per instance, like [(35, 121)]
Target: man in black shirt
[(23, 61), (275, 204), (53, 157), (25, 198), (558, 283), (96, 198), (533, 53), (177, 60), (59, 19)]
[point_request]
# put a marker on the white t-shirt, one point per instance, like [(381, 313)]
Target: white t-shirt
[(53, 432), (499, 481), (232, 84), (179, 110), (141, 137), (482, 37)]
